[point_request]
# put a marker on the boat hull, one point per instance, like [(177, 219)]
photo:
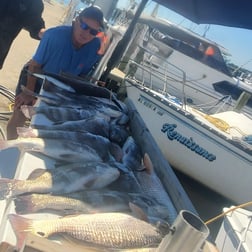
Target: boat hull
[(198, 151)]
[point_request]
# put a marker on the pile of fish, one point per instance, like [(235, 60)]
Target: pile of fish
[(103, 187)]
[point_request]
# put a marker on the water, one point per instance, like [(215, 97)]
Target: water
[(207, 203)]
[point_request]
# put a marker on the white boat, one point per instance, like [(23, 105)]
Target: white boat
[(162, 47), (209, 148), (235, 233)]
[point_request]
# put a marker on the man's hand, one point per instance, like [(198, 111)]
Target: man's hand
[(41, 33), (23, 99)]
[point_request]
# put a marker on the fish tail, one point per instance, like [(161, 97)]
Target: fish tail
[(20, 226), (5, 188), (28, 111), (26, 132), (11, 187), (25, 204)]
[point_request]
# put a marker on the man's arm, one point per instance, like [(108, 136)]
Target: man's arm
[(23, 98), (34, 67)]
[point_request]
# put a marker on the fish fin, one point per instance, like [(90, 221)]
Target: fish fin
[(138, 212), (36, 173), (6, 188), (148, 163), (20, 226), (26, 132), (28, 111)]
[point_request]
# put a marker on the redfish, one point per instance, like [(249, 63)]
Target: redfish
[(63, 179), (107, 230)]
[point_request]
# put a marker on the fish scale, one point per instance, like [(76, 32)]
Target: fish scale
[(108, 230)]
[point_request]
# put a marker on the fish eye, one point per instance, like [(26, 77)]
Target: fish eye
[(41, 234)]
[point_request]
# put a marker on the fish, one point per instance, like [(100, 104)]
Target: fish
[(84, 201), (62, 114), (51, 81), (132, 156), (107, 150), (89, 98), (151, 185), (58, 114), (151, 209), (63, 179), (126, 182), (118, 133), (72, 101), (67, 97), (123, 119), (60, 149), (106, 230), (95, 125), (48, 99)]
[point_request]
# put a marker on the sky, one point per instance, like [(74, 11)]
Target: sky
[(236, 41)]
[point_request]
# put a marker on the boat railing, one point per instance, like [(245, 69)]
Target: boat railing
[(148, 74), (148, 77), (152, 69)]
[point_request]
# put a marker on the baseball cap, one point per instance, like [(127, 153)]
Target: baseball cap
[(93, 12)]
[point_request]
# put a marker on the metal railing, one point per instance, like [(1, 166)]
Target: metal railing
[(159, 78), (156, 73)]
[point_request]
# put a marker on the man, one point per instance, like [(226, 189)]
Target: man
[(69, 49), (16, 15)]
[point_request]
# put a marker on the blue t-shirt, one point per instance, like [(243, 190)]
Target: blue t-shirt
[(56, 53)]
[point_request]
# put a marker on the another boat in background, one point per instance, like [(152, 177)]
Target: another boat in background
[(235, 233), (183, 60)]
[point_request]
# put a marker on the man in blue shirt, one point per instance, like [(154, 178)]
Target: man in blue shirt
[(69, 49)]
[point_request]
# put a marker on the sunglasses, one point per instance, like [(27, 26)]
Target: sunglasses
[(84, 26)]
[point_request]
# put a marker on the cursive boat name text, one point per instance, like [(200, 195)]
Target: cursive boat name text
[(172, 134)]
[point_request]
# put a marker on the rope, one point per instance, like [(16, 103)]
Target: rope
[(219, 123), (226, 212)]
